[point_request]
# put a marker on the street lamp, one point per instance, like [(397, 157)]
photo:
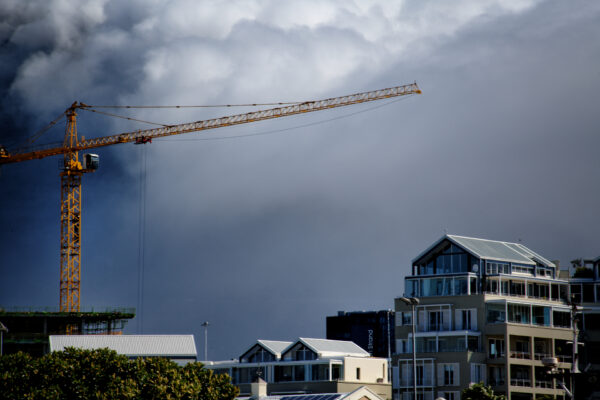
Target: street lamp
[(2, 330), (205, 324), (412, 302)]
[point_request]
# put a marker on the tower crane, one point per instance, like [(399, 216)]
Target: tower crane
[(72, 168)]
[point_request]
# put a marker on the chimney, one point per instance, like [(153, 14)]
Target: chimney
[(258, 388)]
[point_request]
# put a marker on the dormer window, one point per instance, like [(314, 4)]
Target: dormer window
[(261, 355)]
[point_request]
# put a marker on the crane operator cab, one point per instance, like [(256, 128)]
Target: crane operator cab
[(91, 161)]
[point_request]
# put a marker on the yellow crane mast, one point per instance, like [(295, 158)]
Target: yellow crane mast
[(73, 169)]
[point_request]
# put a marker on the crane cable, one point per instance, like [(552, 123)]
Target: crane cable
[(323, 121), (284, 103), (124, 117)]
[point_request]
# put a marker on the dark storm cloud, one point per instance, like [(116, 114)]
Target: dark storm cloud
[(264, 236)]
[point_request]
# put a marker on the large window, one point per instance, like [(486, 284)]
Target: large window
[(519, 313), (460, 286), (561, 319), (477, 373), (436, 319), (406, 318), (448, 374), (446, 286), (522, 269), (452, 260), (466, 319), (493, 268), (517, 288), (495, 348), (541, 315), (495, 313), (320, 372), (261, 355)]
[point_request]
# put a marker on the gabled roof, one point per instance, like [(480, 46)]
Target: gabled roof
[(492, 250), (274, 347), (326, 348), (130, 345)]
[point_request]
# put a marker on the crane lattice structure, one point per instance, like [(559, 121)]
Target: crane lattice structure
[(73, 169)]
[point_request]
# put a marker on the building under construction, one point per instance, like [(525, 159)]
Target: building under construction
[(28, 330)]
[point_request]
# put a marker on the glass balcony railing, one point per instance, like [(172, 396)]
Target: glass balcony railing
[(520, 382), (543, 384), (523, 355)]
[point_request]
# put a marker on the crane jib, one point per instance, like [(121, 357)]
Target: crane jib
[(72, 170), (143, 136)]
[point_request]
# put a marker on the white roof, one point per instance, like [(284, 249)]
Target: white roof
[(275, 346), (334, 348), (130, 345), (363, 392), (493, 250)]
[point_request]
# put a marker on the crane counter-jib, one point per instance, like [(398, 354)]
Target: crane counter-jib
[(73, 170)]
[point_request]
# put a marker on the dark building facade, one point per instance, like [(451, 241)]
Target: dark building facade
[(29, 330), (371, 330)]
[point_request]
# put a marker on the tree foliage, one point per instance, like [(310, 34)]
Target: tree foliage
[(103, 374), (480, 391)]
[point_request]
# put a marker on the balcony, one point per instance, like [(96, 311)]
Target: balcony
[(543, 384), (539, 356), (520, 382), (426, 381), (521, 355)]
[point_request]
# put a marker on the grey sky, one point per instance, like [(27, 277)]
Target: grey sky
[(266, 235)]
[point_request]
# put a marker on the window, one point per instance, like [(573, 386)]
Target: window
[(450, 395), (358, 374), (495, 313), (412, 287), (336, 372), (541, 315), (491, 286), (420, 375), (496, 376), (299, 373), (460, 286), (448, 374), (519, 313), (320, 372), (406, 318), (436, 320), (562, 319), (303, 353), (495, 348), (517, 288), (492, 268), (261, 355), (466, 319), (477, 373), (522, 269)]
